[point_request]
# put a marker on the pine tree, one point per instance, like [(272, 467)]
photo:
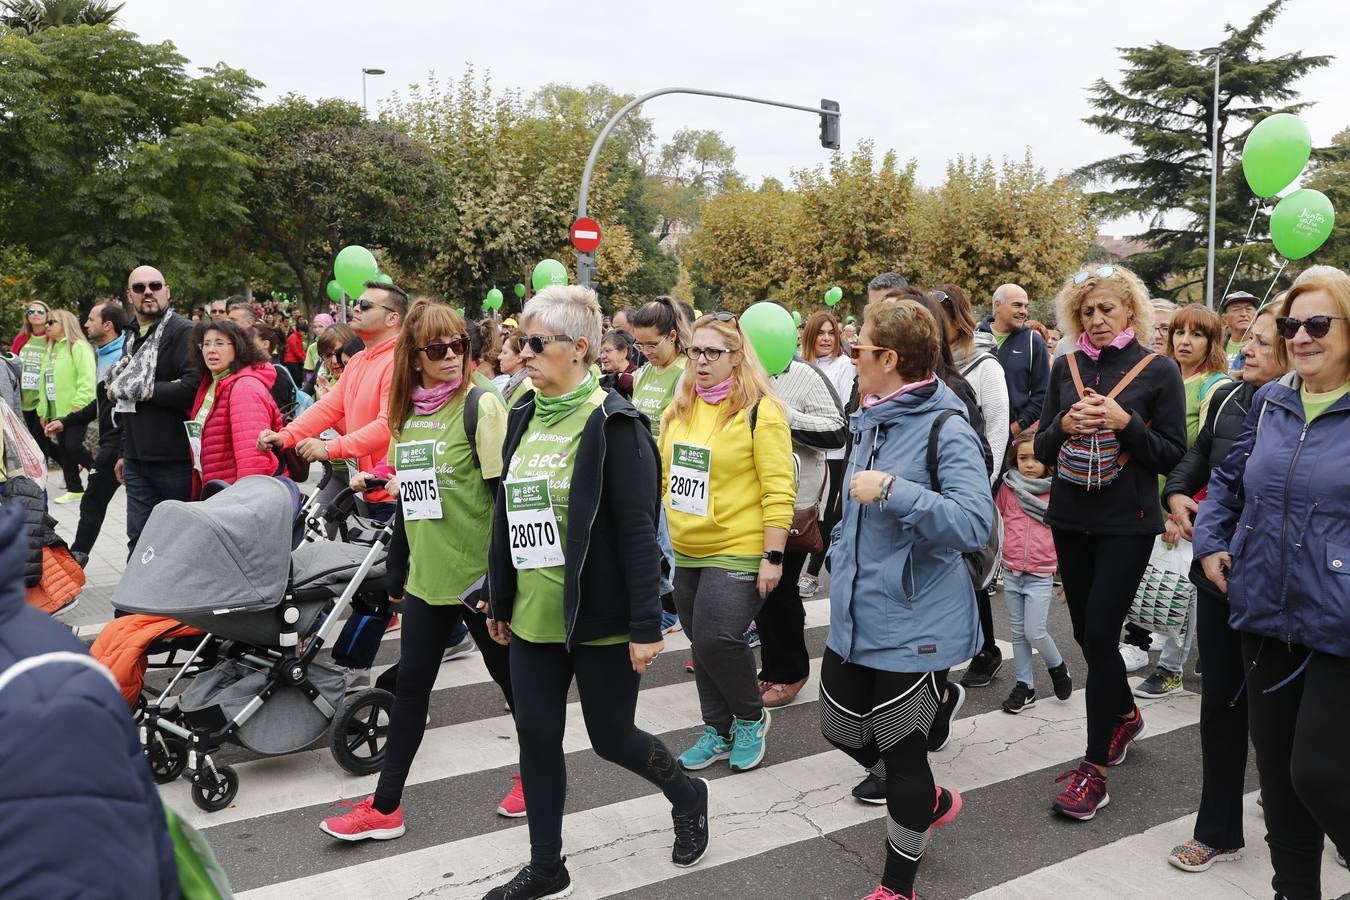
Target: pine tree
[(1164, 107)]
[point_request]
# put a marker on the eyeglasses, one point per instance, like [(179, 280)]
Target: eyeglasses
[(217, 310), (536, 342), (366, 305), (1316, 326), (649, 346), (1100, 272), (711, 354), (35, 311), (437, 350), (856, 350), (140, 286), (214, 345)]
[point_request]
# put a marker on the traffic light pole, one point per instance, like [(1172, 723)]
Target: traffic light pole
[(829, 138)]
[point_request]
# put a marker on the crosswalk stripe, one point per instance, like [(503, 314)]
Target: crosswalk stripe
[(626, 845)]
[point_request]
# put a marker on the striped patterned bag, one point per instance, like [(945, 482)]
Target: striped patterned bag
[(1093, 461)]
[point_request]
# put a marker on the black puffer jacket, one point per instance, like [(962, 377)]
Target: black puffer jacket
[(1227, 410), (39, 527)]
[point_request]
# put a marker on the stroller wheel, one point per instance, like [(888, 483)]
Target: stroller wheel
[(361, 731), (214, 795), (167, 754)]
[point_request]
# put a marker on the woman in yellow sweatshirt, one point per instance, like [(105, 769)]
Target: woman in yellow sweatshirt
[(726, 458)]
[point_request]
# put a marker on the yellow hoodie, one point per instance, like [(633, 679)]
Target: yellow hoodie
[(751, 483)]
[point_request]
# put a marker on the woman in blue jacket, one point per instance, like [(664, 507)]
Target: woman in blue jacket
[(1275, 532), (902, 609)]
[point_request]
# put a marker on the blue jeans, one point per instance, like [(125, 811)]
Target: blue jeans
[(1028, 600), (667, 553), (1173, 657), (148, 483)]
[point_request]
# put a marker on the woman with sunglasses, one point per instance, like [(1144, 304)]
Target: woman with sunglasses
[(1114, 419), (902, 608), (31, 347), (574, 582), (726, 456), (69, 373), (1274, 531), (445, 482)]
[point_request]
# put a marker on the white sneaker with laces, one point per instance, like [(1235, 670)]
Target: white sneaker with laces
[(1134, 657)]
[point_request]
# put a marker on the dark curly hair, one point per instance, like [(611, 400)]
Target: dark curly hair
[(246, 350)]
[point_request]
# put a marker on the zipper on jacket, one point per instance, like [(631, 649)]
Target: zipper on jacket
[(1284, 532), (857, 534)]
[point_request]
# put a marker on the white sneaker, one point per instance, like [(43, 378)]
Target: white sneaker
[(460, 650), (1156, 642), (1135, 658), (807, 587)]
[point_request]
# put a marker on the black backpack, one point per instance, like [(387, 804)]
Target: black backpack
[(984, 564)]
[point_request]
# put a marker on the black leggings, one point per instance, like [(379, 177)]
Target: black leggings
[(834, 511), (73, 455), (1101, 572), (541, 675), (1223, 719), (782, 623), (881, 719), (49, 449), (1299, 731), (426, 628)]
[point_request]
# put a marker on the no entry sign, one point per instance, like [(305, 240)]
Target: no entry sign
[(586, 235)]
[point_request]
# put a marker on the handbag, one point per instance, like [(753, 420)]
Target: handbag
[(1162, 602), (1094, 461), (804, 536)]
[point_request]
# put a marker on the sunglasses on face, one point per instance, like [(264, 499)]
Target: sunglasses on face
[(140, 287), (437, 350), (366, 305), (35, 311), (1100, 272), (711, 354), (856, 350), (536, 342), (1316, 326)]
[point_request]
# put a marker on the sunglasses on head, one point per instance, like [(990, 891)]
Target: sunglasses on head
[(140, 286), (940, 297), (437, 350), (1100, 272), (1316, 326), (718, 316)]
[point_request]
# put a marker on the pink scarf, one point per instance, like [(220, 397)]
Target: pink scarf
[(429, 400), (715, 394), (1094, 353), (872, 400)]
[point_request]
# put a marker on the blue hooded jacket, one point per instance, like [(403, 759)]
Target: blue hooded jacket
[(901, 599), (79, 812), (1280, 505)]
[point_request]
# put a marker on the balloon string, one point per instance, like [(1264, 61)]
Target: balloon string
[(1278, 272), (1250, 225)]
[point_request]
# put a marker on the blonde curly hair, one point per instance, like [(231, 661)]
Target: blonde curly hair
[(1121, 283)]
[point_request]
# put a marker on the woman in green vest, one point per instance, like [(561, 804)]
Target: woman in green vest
[(574, 582), (67, 384), (446, 480)]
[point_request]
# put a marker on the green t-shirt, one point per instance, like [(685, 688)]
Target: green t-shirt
[(1000, 337), (1199, 389), (447, 555), (653, 390), (729, 561), (1233, 348), (312, 356), (1316, 404), (30, 359), (550, 453)]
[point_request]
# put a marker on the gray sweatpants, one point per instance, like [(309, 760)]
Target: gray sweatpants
[(715, 607)]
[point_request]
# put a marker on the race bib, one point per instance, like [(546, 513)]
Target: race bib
[(531, 525), (688, 488), (51, 386), (194, 436), (417, 488), (32, 375)]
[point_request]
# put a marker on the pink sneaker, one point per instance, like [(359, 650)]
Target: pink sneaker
[(513, 804), (946, 805), (884, 893), (365, 821)]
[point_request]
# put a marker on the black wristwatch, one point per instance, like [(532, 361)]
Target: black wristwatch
[(775, 557)]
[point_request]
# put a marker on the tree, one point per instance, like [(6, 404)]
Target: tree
[(111, 155), (1331, 175), (32, 16), (19, 273), (736, 256), (1164, 107)]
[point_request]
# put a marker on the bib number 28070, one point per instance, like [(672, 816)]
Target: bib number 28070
[(531, 526)]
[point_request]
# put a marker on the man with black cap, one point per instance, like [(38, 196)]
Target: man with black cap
[(1239, 311)]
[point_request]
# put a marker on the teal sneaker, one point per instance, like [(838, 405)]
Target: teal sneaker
[(747, 742), (710, 748)]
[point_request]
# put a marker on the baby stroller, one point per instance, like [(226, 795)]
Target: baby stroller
[(225, 565)]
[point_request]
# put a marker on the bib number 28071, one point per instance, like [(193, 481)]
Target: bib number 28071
[(688, 487), (531, 525)]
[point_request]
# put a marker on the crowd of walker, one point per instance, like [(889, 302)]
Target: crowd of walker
[(564, 489)]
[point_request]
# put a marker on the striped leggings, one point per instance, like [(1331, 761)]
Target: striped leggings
[(881, 719)]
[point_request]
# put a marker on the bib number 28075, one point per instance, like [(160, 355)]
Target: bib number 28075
[(418, 492), (531, 525)]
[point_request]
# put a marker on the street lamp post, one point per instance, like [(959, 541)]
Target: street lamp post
[(1213, 174), (364, 73)]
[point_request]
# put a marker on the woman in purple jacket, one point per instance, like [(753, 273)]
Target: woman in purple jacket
[(1275, 532)]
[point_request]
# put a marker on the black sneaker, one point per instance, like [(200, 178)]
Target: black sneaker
[(691, 829), (1022, 697), (871, 789), (1062, 680), (531, 884), (983, 668), (940, 734)]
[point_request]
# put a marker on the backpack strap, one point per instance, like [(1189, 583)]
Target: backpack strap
[(932, 459), (1210, 382), (974, 363), (752, 418), (1132, 375), (471, 421)]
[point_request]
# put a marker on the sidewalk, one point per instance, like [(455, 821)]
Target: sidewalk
[(106, 561)]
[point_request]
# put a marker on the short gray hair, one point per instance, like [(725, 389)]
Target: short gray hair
[(244, 304), (1162, 303), (887, 281), (568, 309), (1318, 271)]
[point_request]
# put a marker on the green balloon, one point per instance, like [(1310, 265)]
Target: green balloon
[(1301, 223), (461, 312), (834, 295), (851, 320), (520, 290), (772, 333), (382, 278), (493, 301), (548, 272), (354, 266), (334, 291), (796, 318), (1275, 151)]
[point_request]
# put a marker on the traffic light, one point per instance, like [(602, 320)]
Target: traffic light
[(829, 126)]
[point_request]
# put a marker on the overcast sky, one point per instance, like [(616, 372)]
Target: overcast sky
[(928, 79)]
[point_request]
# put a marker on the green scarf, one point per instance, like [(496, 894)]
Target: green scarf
[(552, 410)]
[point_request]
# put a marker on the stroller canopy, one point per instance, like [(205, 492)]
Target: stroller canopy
[(231, 552)]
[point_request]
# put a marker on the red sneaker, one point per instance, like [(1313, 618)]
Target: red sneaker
[(946, 805), (395, 623), (513, 804), (1084, 795), (365, 821), (1127, 732)]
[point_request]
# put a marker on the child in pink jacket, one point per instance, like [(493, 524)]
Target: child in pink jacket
[(1028, 571)]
